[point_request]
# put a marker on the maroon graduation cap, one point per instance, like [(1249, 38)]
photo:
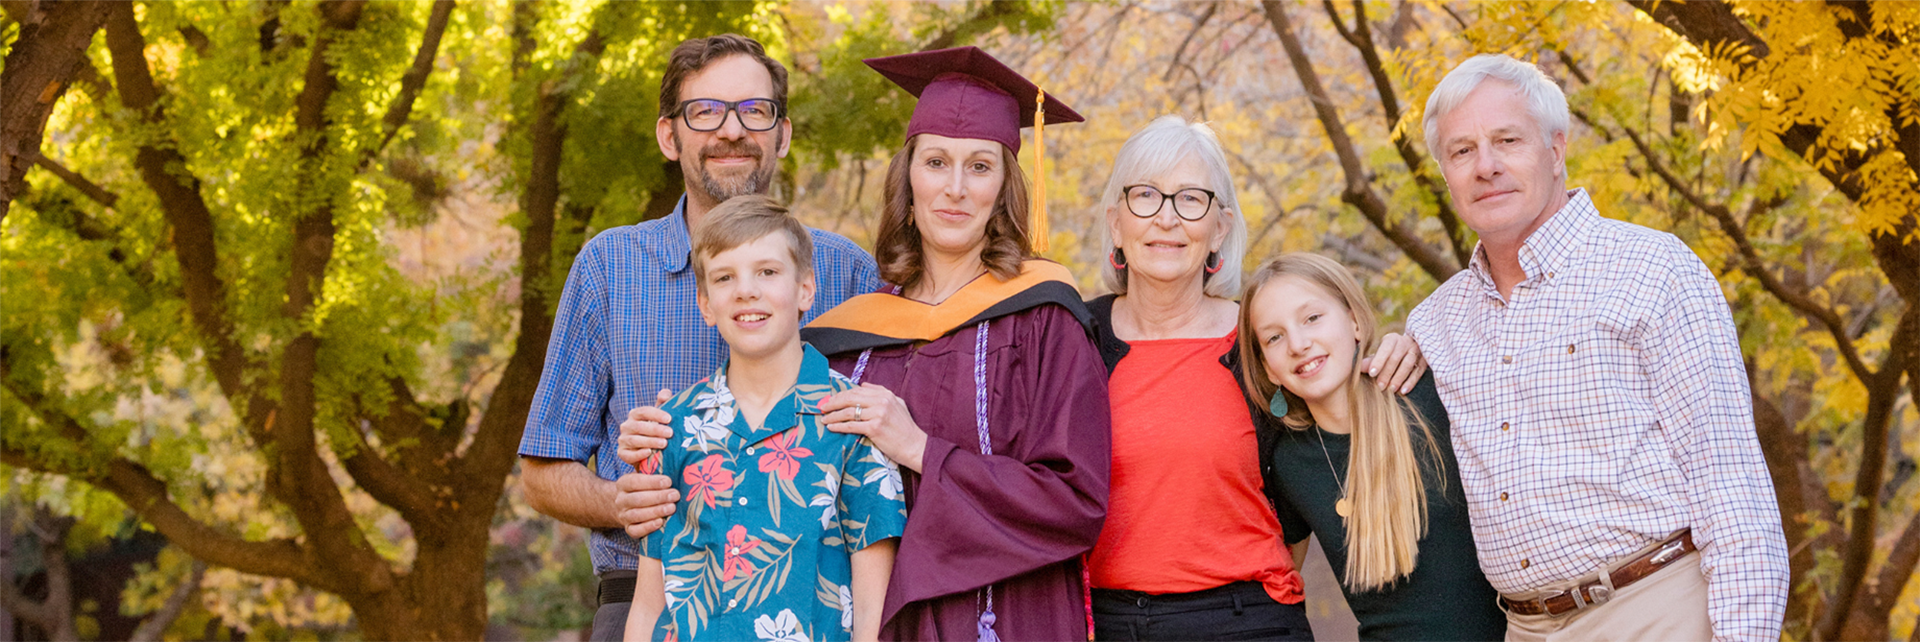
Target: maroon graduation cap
[(966, 93)]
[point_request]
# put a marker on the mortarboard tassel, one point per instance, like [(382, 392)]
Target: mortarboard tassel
[(1037, 227)]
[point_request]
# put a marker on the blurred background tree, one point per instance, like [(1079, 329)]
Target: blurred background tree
[(278, 276)]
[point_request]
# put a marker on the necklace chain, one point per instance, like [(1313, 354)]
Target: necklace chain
[(1337, 480)]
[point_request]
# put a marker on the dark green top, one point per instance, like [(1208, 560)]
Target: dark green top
[(1446, 597)]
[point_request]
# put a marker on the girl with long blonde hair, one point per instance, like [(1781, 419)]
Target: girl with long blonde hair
[(1396, 529)]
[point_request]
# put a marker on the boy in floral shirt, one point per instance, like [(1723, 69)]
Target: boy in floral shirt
[(784, 530)]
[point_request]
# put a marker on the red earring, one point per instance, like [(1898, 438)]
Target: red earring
[(1117, 259), (1214, 262)]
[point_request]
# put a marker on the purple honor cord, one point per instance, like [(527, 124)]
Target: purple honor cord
[(986, 448), (987, 618)]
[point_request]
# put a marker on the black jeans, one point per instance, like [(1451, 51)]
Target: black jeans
[(1237, 611)]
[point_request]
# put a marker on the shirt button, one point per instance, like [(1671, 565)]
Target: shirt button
[(735, 551), (743, 501), (1506, 359), (1503, 497), (733, 603), (1525, 563), (1569, 348), (749, 450), (1503, 425)]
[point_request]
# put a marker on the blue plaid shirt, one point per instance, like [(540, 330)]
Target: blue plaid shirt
[(628, 326)]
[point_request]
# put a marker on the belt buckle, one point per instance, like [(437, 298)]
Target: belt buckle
[(1590, 596), (1541, 600), (1670, 552)]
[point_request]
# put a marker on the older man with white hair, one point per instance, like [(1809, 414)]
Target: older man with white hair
[(1600, 408)]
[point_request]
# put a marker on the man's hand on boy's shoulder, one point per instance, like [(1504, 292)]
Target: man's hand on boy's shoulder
[(645, 500), (645, 431)]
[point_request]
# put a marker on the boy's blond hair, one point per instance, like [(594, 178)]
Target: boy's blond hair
[(742, 220)]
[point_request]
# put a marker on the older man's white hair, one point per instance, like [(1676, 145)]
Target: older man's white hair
[(1156, 150), (1545, 101)]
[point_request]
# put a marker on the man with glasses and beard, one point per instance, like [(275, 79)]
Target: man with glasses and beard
[(628, 327)]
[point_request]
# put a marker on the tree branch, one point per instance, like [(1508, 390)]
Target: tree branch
[(1753, 263), (59, 604), (40, 65), (1786, 454), (147, 496), (89, 188), (27, 609), (494, 447), (1362, 39), (1340, 26), (402, 420), (1180, 52), (165, 172), (1359, 191), (1883, 392), (155, 625), (1869, 619), (983, 19), (90, 229), (387, 484), (298, 476), (1712, 25), (416, 77)]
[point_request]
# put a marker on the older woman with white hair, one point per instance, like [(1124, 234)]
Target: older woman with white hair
[(1191, 549)]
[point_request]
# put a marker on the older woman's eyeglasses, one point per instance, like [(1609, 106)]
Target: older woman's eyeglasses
[(1189, 204), (708, 114)]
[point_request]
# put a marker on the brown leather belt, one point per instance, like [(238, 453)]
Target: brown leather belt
[(1594, 593)]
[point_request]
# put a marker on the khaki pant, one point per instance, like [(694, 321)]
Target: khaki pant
[(1670, 604)]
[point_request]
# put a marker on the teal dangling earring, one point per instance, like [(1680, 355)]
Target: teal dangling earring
[(1278, 404)]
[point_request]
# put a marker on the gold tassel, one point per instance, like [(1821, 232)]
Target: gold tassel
[(1037, 227)]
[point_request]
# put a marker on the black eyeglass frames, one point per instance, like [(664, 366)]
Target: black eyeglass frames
[(1189, 204), (708, 114)]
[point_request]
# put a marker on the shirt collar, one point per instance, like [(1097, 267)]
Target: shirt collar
[(670, 243), (803, 399), (1549, 249)]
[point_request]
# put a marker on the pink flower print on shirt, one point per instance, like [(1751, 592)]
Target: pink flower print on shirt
[(708, 478), (736, 563), (782, 457)]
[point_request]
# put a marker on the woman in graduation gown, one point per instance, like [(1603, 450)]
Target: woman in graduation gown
[(978, 376)]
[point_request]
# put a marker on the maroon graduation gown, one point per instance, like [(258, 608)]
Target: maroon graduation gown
[(1019, 519)]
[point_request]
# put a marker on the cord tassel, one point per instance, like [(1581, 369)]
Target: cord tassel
[(984, 628), (1037, 228)]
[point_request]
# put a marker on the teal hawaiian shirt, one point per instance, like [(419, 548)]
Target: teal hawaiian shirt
[(760, 545)]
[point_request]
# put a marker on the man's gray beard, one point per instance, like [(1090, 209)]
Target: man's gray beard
[(755, 183)]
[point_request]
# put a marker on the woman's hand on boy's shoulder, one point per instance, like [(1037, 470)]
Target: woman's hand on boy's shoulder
[(874, 412)]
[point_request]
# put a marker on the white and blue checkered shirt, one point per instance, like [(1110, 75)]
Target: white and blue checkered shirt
[(628, 326), (1601, 407)]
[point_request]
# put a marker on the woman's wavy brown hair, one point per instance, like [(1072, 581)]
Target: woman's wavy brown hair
[(896, 247)]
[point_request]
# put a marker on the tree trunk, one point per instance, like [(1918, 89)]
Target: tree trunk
[(51, 46)]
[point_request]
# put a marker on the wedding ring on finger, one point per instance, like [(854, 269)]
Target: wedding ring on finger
[(856, 412)]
